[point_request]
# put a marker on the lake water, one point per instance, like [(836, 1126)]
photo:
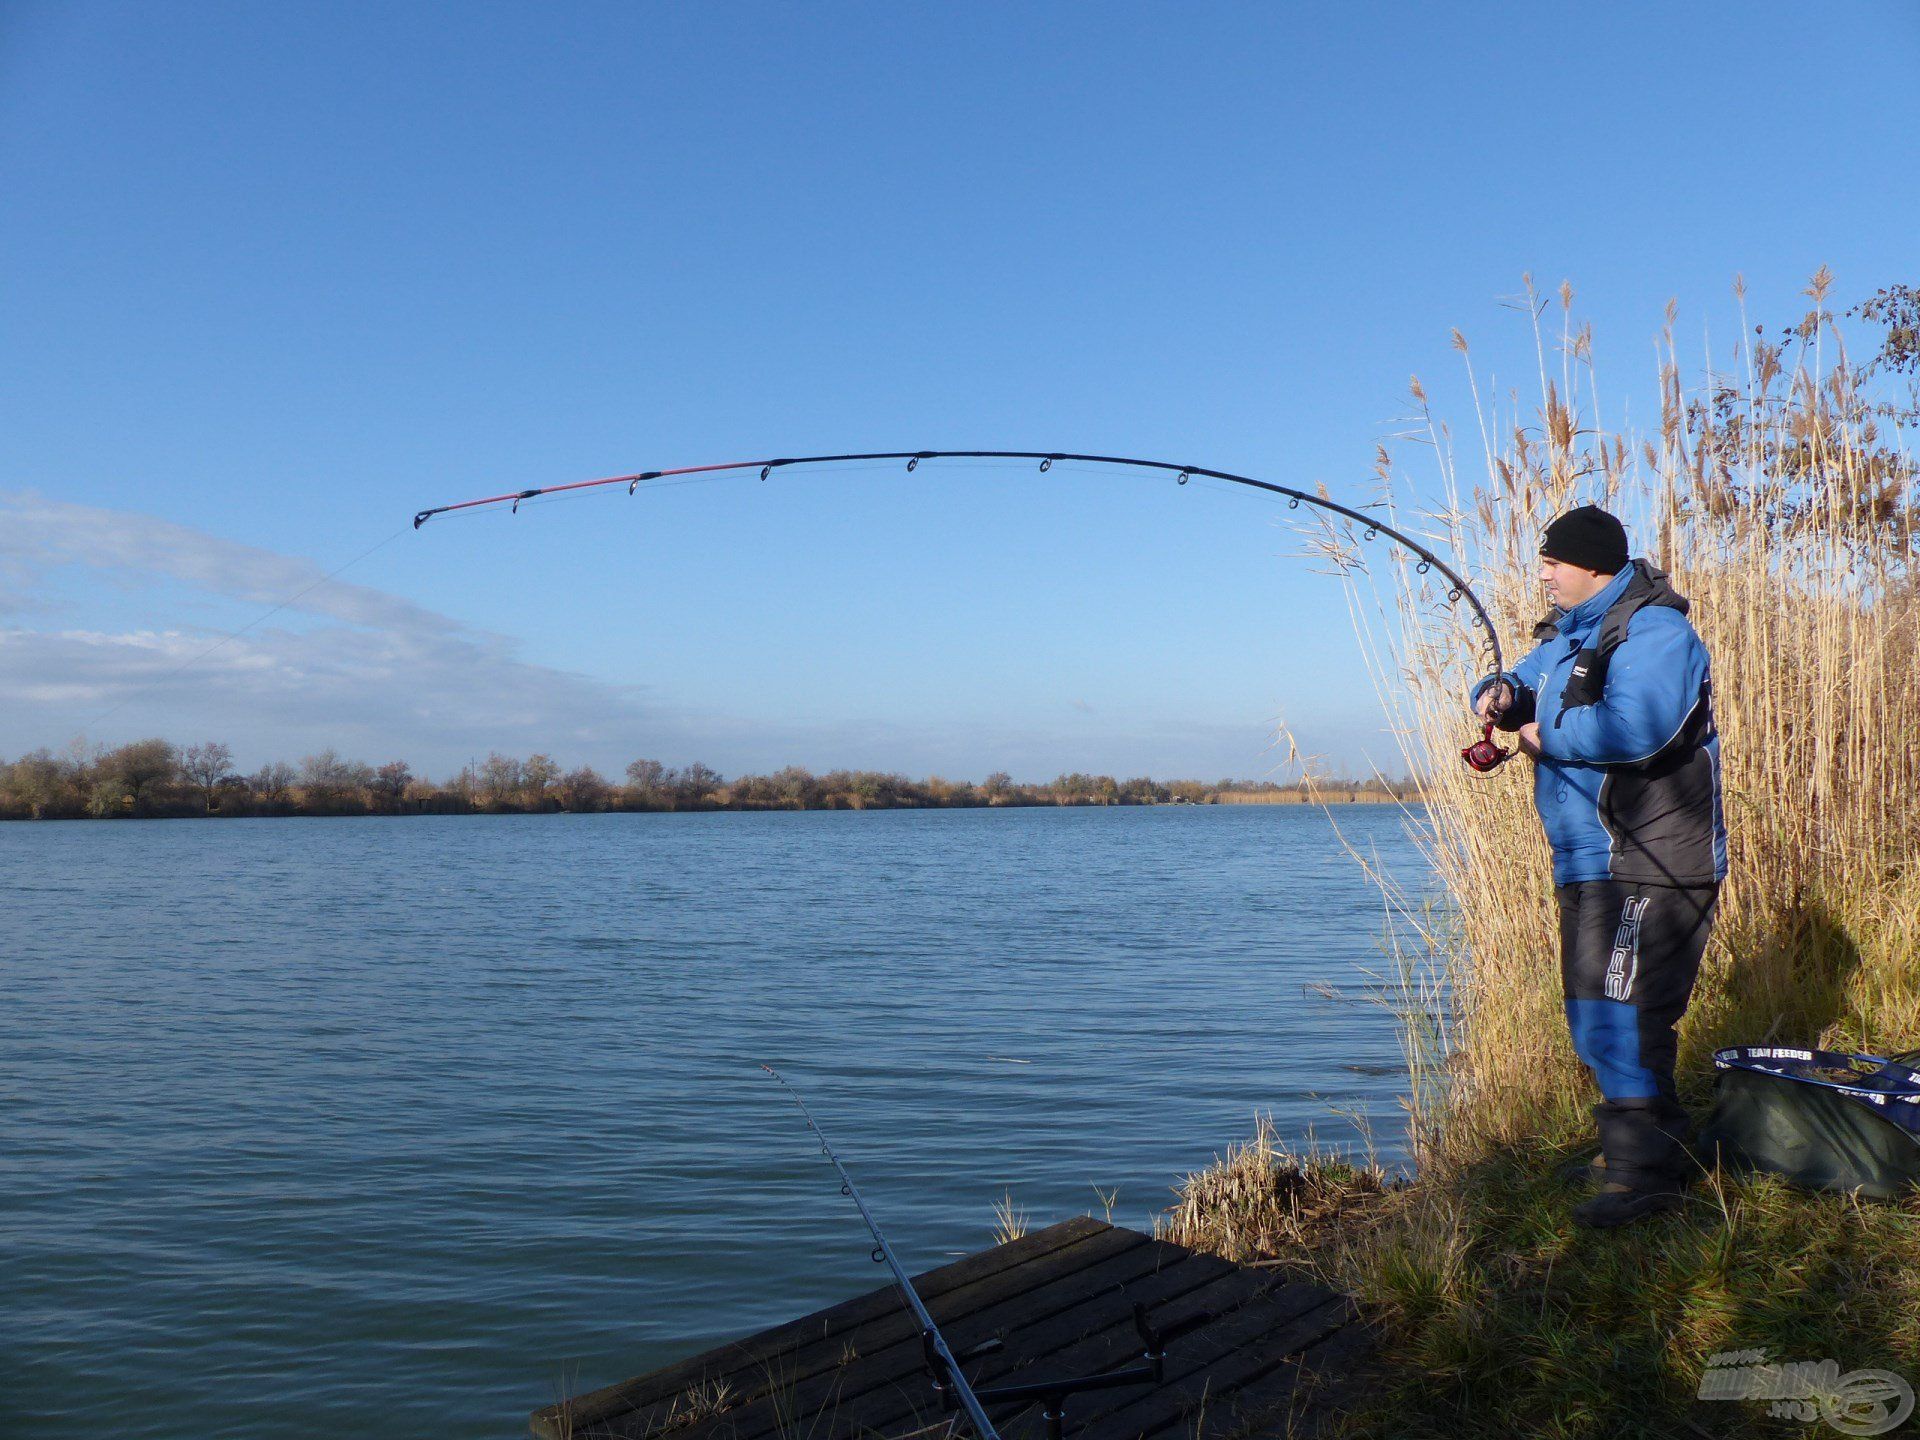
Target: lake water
[(398, 1126)]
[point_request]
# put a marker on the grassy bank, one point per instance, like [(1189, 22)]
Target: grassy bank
[(1779, 494)]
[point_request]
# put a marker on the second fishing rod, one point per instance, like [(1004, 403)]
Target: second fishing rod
[(955, 1392)]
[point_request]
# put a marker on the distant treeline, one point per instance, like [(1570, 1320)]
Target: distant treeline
[(155, 778)]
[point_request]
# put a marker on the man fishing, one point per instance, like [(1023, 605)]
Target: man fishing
[(1615, 708)]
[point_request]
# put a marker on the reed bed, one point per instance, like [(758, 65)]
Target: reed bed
[(1781, 500), (1780, 495)]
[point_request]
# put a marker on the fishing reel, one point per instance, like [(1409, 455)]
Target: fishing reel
[(1483, 755)]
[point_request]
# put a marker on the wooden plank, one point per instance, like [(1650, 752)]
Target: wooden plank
[(1117, 1344), (739, 1358), (885, 1347), (1251, 1342), (1064, 1348), (1061, 1302), (1244, 1303), (1094, 1301), (1103, 1323), (1295, 1398), (888, 1357)]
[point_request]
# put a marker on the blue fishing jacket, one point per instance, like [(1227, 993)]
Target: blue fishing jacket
[(1628, 783)]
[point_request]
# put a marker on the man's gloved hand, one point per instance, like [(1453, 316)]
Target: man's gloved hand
[(1529, 734), (1495, 701)]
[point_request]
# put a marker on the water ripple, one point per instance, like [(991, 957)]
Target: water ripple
[(377, 1126)]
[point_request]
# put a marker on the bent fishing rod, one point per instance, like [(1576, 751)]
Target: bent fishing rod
[(1482, 755), (950, 1383)]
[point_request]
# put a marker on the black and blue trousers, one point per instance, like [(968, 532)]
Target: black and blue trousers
[(1629, 955)]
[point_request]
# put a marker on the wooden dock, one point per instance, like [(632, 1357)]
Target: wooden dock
[(1266, 1359)]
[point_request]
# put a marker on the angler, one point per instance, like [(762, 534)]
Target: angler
[(1615, 708)]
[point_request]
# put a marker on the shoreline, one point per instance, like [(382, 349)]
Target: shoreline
[(726, 807)]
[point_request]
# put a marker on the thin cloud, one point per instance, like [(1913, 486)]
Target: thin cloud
[(388, 675), (384, 677), (39, 534)]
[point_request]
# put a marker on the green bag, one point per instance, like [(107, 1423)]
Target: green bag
[(1824, 1119)]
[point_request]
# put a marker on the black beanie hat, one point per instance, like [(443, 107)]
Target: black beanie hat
[(1588, 537)]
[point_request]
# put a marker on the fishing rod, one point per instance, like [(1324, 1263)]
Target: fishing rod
[(1482, 755), (947, 1371), (950, 1383)]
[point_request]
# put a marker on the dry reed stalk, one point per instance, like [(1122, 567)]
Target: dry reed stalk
[(1782, 501)]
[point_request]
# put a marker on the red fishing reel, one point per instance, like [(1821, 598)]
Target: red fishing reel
[(1483, 755)]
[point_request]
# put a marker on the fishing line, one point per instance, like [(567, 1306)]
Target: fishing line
[(231, 636)]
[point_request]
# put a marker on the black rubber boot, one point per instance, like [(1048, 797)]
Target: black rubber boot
[(1645, 1161), (1618, 1204), (1647, 1143), (1579, 1172)]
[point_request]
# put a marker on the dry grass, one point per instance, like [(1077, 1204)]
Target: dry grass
[(1266, 1199), (701, 1402), (1780, 496), (1010, 1221)]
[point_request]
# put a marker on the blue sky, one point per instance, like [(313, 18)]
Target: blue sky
[(274, 277)]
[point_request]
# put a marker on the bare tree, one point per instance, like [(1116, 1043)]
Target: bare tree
[(537, 775), (38, 782), (794, 785), (206, 766), (273, 785), (133, 776), (329, 781), (390, 782), (461, 787), (582, 789), (696, 781), (500, 779)]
